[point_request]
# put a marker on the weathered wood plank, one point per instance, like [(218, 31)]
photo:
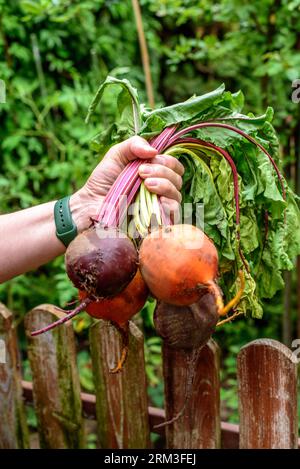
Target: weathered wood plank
[(121, 399), (199, 427), (267, 378), (56, 387), (13, 428)]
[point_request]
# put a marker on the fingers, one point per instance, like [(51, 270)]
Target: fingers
[(163, 176), (155, 170), (169, 162), (163, 187)]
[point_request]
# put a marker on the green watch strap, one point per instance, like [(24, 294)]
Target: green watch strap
[(66, 230)]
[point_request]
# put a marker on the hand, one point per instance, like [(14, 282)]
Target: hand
[(163, 176)]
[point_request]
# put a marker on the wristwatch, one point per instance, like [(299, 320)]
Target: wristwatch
[(66, 230)]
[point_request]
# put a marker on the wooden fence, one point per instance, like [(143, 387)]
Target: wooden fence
[(267, 392)]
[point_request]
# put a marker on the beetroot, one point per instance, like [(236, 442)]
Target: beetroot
[(101, 261), (187, 327), (176, 262), (123, 306)]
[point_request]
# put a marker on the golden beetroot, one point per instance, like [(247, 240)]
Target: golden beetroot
[(176, 262)]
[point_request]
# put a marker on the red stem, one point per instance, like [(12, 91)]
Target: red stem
[(166, 219), (161, 141), (230, 162), (130, 198), (109, 215), (123, 176), (128, 183), (64, 319), (240, 132), (115, 187)]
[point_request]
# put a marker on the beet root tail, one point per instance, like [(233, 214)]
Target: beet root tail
[(232, 303), (124, 331), (81, 307), (173, 420), (192, 362)]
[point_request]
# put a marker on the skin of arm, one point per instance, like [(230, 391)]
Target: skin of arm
[(27, 237)]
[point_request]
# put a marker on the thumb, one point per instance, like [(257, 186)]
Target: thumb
[(133, 148)]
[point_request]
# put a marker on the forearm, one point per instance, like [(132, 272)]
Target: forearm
[(28, 239)]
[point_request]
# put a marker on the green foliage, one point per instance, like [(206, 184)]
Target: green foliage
[(31, 417), (85, 371), (91, 441)]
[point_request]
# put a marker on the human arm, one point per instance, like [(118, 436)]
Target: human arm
[(27, 237)]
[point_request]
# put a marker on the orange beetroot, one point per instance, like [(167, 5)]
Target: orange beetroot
[(176, 262), (123, 306)]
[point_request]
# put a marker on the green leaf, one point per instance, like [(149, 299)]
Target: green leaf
[(124, 102), (155, 121)]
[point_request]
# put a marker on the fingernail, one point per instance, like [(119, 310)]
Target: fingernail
[(145, 169)]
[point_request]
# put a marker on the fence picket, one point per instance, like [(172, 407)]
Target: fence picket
[(121, 399), (56, 387), (267, 378), (13, 428), (199, 427)]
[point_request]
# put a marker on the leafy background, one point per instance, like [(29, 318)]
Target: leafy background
[(54, 54)]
